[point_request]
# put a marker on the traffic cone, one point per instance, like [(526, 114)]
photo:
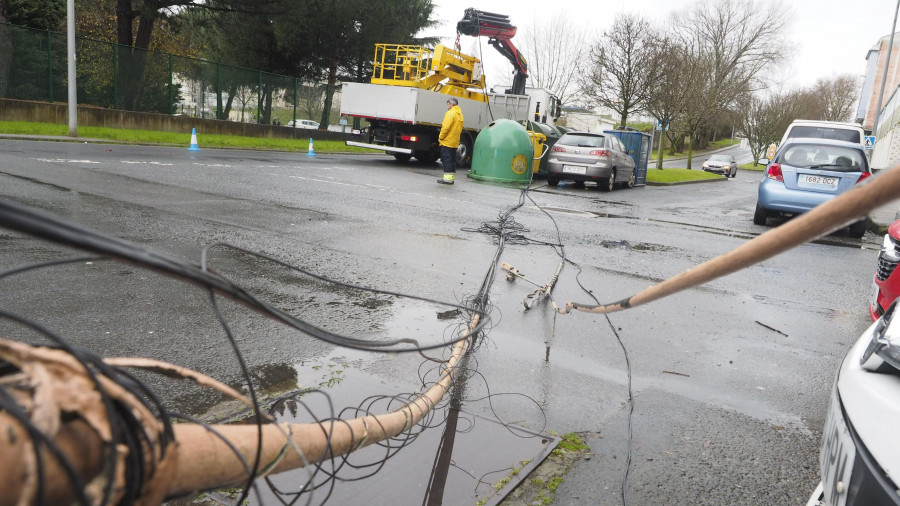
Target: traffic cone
[(310, 152), (193, 140)]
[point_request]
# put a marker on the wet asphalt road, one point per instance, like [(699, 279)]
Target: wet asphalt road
[(730, 380)]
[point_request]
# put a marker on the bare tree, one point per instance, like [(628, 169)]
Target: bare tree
[(665, 93), (554, 49), (731, 42), (835, 98), (620, 66), (763, 119)]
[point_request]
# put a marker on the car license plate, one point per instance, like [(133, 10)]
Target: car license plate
[(828, 182), (837, 455), (574, 169), (873, 301)]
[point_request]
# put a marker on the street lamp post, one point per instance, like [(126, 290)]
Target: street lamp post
[(887, 64), (70, 49)]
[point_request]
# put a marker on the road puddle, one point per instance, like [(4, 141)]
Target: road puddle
[(455, 457), (635, 246)]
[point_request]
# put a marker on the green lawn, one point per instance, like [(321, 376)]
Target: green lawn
[(176, 139), (752, 166), (678, 175)]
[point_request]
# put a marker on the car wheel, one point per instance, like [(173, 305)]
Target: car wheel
[(403, 157), (610, 181), (552, 180), (760, 216), (631, 179), (858, 229)]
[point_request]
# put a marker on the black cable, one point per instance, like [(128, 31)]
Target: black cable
[(630, 392), (256, 411)]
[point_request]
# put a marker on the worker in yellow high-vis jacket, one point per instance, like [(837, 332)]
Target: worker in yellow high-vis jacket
[(451, 128)]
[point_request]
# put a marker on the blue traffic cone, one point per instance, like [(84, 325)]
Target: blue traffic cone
[(194, 146), (310, 152)]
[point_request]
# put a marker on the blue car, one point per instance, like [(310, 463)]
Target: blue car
[(805, 173)]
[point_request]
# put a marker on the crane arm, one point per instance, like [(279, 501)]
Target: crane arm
[(499, 31)]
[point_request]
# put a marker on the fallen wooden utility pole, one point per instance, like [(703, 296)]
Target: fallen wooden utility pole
[(196, 461), (823, 219)]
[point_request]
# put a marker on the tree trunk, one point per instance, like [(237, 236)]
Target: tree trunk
[(133, 55), (329, 94), (231, 92)]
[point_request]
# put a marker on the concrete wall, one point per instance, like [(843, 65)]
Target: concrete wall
[(57, 112)]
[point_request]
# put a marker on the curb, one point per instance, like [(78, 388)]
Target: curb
[(675, 183), (89, 140)]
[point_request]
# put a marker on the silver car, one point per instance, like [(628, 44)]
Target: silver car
[(721, 164), (594, 157)]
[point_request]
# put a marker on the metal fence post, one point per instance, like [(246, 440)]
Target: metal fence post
[(296, 84), (115, 48), (50, 65), (219, 91), (259, 99), (171, 86)]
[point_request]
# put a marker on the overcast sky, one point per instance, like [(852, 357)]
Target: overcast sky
[(828, 37)]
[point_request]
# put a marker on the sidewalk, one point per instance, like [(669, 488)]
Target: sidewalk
[(885, 215)]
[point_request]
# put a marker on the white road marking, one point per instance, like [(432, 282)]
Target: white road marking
[(63, 160), (213, 165), (146, 163), (370, 186)]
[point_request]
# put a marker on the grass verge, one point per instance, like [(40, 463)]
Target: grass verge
[(540, 486), (678, 175), (752, 166)]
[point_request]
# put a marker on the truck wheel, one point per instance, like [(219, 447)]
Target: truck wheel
[(426, 157), (403, 157), (464, 151)]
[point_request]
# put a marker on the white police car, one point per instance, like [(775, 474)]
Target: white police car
[(860, 456)]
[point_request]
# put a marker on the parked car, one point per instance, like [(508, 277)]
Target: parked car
[(859, 462), (811, 129), (586, 156), (807, 172), (721, 164), (303, 123), (886, 285)]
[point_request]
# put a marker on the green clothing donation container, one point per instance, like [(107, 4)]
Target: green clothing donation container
[(503, 153)]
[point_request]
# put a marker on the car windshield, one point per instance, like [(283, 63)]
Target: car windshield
[(582, 140), (821, 132), (720, 158), (826, 157)]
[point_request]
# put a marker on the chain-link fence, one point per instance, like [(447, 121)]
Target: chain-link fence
[(33, 67)]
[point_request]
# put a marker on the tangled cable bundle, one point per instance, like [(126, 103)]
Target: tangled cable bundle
[(82, 428)]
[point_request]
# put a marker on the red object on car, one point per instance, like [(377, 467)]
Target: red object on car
[(886, 285)]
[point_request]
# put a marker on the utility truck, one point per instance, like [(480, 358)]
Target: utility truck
[(405, 100)]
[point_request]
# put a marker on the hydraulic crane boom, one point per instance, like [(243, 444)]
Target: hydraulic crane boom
[(499, 32)]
